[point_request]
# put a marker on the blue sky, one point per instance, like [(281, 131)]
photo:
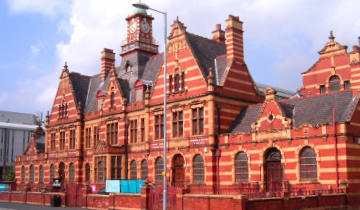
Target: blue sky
[(282, 38)]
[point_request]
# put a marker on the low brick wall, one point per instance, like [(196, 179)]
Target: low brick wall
[(213, 202), (36, 198)]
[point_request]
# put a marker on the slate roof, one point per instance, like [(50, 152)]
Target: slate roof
[(18, 118), (206, 51), (314, 110), (80, 84)]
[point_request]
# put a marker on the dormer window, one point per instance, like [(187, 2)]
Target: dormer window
[(112, 98), (334, 83), (99, 100)]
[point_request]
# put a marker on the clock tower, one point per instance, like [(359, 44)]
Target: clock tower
[(139, 34)]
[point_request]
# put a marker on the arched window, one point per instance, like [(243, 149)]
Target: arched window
[(308, 165), (144, 170), (198, 170), (32, 174), (241, 167), (334, 83), (52, 173), (87, 173), (133, 170), (159, 166), (23, 174), (72, 173), (41, 174)]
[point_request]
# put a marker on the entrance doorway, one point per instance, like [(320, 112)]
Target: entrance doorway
[(61, 173), (178, 171), (273, 170)]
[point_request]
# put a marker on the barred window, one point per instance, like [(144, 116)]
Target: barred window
[(198, 121), (116, 167), (159, 167), (112, 133), (96, 135), (72, 139), (133, 170), (241, 167), (347, 85), (322, 89), (32, 174), (23, 174), (100, 169), (41, 174), (133, 131), (144, 170), (87, 137), (178, 124), (62, 140), (159, 126), (63, 111), (198, 170), (308, 165), (52, 141), (334, 83), (72, 172), (87, 173), (52, 173)]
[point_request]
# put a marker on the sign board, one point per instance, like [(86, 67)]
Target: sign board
[(56, 183), (201, 141), (93, 188), (112, 186), (157, 145)]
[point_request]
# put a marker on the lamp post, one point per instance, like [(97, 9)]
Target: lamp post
[(146, 7)]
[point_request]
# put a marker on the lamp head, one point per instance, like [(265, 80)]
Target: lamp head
[(141, 5)]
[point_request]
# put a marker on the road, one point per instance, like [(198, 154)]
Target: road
[(11, 206)]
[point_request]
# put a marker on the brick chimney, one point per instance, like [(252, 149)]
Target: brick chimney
[(107, 62), (234, 39), (218, 35)]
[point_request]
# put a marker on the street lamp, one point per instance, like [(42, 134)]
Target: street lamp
[(146, 7)]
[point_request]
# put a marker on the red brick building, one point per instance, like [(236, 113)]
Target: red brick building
[(224, 135)]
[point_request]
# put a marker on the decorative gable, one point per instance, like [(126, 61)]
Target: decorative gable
[(113, 98), (332, 48)]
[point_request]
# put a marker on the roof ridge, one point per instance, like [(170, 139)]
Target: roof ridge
[(196, 35), (314, 96)]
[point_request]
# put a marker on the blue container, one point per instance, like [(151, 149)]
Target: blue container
[(124, 186), (4, 187), (132, 186), (138, 185)]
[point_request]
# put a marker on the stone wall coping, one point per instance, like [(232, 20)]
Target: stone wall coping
[(212, 196), (127, 194), (98, 195)]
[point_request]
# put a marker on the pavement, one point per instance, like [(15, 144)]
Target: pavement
[(12, 206)]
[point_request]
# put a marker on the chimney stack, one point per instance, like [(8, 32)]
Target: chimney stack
[(107, 62), (218, 35), (234, 39)]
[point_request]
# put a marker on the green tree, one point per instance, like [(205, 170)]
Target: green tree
[(10, 173)]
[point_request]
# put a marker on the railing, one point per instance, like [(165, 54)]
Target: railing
[(253, 190)]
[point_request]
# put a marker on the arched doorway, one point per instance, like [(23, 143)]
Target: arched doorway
[(273, 170), (178, 171), (61, 173)]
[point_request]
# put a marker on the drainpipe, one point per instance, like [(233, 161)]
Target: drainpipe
[(336, 148)]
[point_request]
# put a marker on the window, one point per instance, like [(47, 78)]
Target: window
[(308, 166), (183, 81), (100, 169), (23, 174), (198, 120), (87, 173), (133, 170), (87, 137), (112, 133), (322, 89), (177, 83), (116, 167), (159, 166), (72, 172), (112, 99), (63, 110), (52, 141), (144, 170), (41, 174), (52, 173), (32, 174), (72, 139), (198, 170), (62, 140), (347, 85), (171, 83), (159, 126), (241, 167), (334, 83), (142, 129), (133, 131), (177, 124), (96, 135)]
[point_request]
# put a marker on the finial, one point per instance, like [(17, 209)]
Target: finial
[(331, 37), (177, 18), (359, 40)]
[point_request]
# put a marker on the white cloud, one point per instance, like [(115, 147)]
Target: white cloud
[(44, 7)]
